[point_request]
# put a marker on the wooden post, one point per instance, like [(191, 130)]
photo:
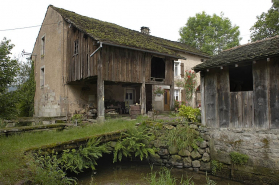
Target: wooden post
[(202, 101), (172, 97), (142, 88), (143, 99), (100, 90)]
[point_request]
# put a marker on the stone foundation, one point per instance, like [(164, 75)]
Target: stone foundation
[(171, 156), (262, 147)]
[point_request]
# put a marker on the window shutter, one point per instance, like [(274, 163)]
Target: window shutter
[(183, 96), (182, 70)]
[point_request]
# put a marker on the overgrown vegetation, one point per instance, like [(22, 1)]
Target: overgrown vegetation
[(183, 137), (190, 113), (13, 160), (239, 158), (77, 118), (216, 166), (135, 141), (164, 177)]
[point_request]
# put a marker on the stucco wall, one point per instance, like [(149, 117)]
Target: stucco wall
[(50, 97)]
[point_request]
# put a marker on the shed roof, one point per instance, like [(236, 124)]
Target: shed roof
[(113, 34), (248, 52)]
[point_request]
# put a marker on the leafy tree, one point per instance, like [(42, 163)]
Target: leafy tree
[(8, 72), (8, 67), (26, 89), (267, 24), (210, 34)]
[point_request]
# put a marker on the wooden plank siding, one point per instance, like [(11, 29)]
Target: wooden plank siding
[(274, 92), (118, 64), (210, 87), (260, 88), (244, 109), (223, 89)]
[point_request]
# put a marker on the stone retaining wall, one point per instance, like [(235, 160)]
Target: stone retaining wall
[(170, 156), (262, 147)]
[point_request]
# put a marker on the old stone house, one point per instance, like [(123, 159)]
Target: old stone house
[(82, 63)]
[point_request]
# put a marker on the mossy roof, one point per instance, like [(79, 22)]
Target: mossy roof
[(248, 52), (111, 33)]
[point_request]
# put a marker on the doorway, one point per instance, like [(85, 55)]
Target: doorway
[(166, 100)]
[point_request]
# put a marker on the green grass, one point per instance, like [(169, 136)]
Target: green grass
[(14, 164)]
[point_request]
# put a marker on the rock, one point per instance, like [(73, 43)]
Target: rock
[(180, 167), (195, 155), (112, 144), (196, 164), (193, 126), (203, 144), (46, 122), (190, 149), (205, 157), (205, 166), (187, 162), (207, 150), (156, 159), (184, 153), (176, 158), (163, 151), (10, 125), (173, 150), (169, 127), (196, 169), (201, 151)]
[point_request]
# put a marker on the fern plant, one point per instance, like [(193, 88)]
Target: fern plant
[(135, 142), (83, 158)]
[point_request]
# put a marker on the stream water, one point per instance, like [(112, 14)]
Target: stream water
[(128, 173)]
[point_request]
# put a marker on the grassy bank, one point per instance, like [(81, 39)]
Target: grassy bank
[(14, 164)]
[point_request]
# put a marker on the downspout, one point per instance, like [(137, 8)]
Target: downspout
[(101, 45)]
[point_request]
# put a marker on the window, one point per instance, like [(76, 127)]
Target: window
[(42, 77), (76, 47), (43, 42), (157, 69), (241, 78), (176, 66), (176, 94)]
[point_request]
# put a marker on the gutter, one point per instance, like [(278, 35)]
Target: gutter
[(101, 45)]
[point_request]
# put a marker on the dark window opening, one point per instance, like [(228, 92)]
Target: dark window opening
[(76, 47), (157, 69), (166, 97), (241, 78)]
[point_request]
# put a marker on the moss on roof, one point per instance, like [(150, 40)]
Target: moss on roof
[(248, 52), (112, 33)]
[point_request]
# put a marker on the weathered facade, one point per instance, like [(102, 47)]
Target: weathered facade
[(240, 107), (83, 63), (241, 88)]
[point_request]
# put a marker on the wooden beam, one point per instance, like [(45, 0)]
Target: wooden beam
[(142, 87), (100, 90), (202, 102)]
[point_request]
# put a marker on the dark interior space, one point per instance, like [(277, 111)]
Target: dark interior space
[(157, 69), (241, 78)]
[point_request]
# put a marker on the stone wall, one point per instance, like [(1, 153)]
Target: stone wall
[(171, 156), (262, 147)]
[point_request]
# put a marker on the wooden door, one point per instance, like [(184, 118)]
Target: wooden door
[(166, 100)]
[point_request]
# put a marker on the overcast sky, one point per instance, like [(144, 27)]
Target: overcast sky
[(163, 17)]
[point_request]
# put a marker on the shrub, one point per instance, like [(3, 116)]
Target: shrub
[(183, 137), (238, 158), (189, 113), (77, 117)]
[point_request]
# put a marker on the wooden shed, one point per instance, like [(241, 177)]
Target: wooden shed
[(240, 86)]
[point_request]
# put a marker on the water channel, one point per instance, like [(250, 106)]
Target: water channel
[(131, 173)]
